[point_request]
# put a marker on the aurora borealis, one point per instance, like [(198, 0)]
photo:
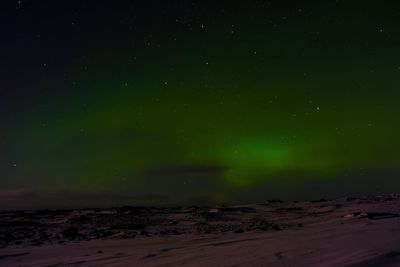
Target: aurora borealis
[(166, 102)]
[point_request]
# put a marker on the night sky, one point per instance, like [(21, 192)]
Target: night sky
[(181, 102)]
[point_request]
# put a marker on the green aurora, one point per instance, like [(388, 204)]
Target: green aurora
[(269, 101)]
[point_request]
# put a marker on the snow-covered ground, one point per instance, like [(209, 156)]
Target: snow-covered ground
[(343, 232)]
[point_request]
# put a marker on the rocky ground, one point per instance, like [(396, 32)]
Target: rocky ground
[(343, 232)]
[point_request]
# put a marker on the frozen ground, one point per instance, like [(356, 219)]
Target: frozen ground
[(343, 232)]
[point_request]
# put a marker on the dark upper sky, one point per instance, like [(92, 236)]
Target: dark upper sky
[(175, 102)]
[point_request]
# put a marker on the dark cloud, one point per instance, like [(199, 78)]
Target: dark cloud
[(188, 170)]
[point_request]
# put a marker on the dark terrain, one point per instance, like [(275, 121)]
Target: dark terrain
[(365, 231)]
